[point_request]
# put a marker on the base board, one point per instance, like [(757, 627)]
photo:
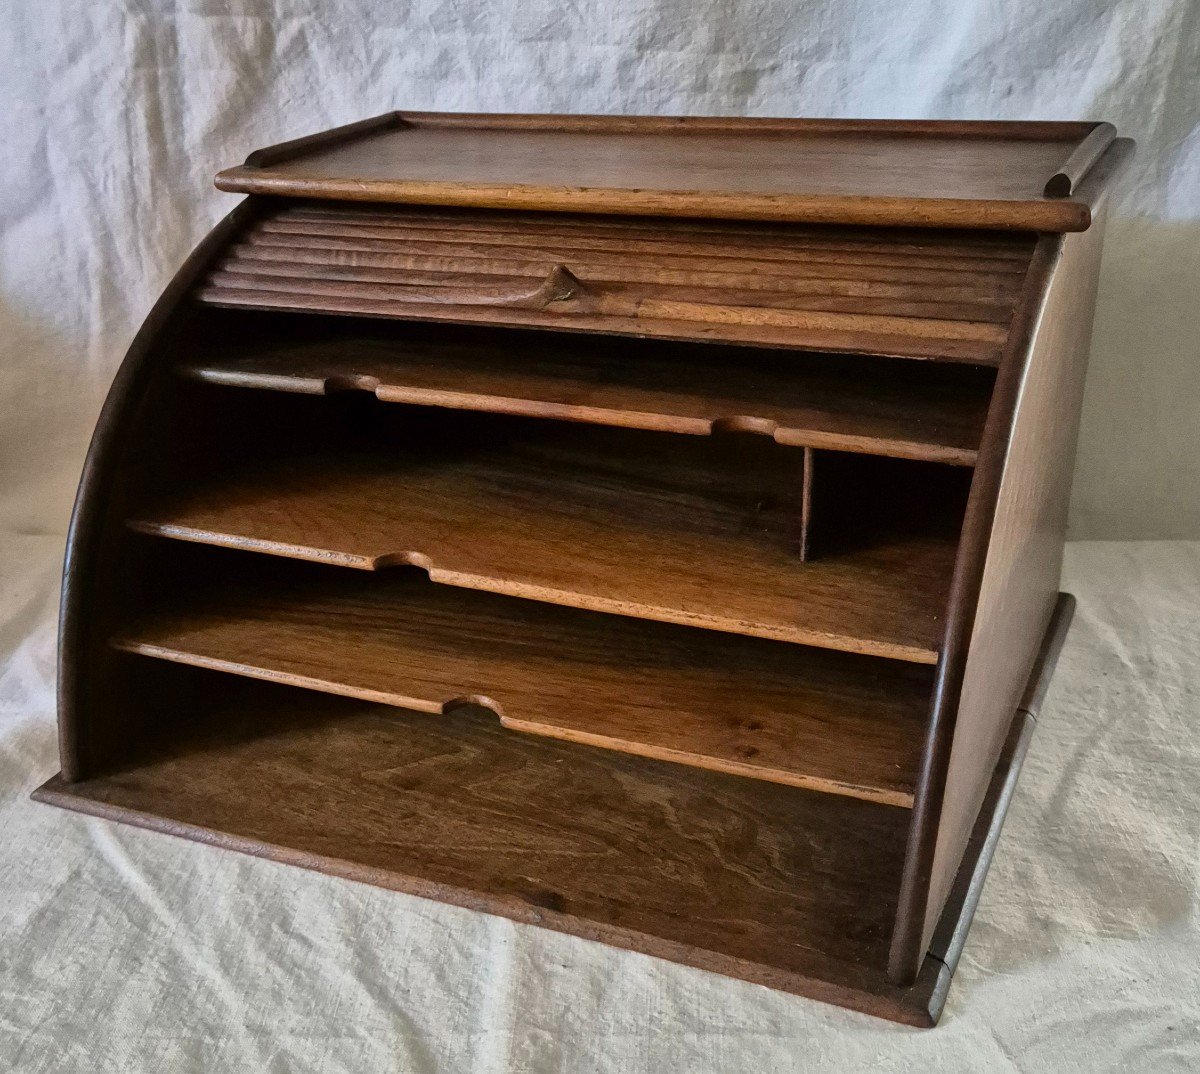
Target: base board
[(919, 1004)]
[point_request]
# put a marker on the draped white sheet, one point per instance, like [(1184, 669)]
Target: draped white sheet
[(115, 116)]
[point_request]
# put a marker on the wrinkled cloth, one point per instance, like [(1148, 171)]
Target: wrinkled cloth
[(116, 115), (125, 950)]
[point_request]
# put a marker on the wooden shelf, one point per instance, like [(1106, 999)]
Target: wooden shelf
[(778, 885), (904, 410), (828, 721), (696, 531)]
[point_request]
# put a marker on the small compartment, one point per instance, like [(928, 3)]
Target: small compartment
[(855, 503), (701, 531)]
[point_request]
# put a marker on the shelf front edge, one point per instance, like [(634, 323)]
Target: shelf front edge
[(1049, 215)]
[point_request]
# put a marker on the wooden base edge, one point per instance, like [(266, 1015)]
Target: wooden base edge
[(856, 996), (920, 1004), (950, 937)]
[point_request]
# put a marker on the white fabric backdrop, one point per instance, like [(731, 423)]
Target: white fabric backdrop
[(116, 115), (124, 951)]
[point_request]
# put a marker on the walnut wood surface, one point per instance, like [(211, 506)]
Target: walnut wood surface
[(934, 295), (696, 531), (829, 721), (1019, 586), (779, 885), (325, 139), (904, 410), (1006, 579), (231, 714), (934, 175)]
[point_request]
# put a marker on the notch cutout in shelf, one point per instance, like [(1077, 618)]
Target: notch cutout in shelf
[(923, 411), (681, 529), (834, 722)]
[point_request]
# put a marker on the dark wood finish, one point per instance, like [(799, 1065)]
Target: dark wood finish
[(775, 884), (906, 294), (909, 941), (806, 506), (692, 531), (298, 147), (947, 174), (89, 731), (1006, 578), (950, 936), (838, 808), (829, 721), (181, 785), (914, 411)]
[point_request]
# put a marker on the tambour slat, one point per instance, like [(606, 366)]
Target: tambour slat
[(942, 295), (960, 243), (811, 339), (627, 297), (747, 275), (728, 248), (622, 303)]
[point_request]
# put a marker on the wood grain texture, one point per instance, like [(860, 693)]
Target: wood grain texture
[(906, 410), (1006, 581), (828, 721), (1020, 582), (778, 885), (233, 717), (729, 801), (878, 174), (696, 531), (857, 290), (326, 139), (950, 937)]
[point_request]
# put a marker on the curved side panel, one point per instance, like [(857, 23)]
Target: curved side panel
[(92, 525), (1006, 577)]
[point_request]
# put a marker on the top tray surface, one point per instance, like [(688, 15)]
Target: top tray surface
[(936, 173)]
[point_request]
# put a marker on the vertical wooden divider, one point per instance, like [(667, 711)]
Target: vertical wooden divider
[(806, 507)]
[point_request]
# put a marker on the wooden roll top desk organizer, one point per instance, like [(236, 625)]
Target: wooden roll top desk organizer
[(645, 528)]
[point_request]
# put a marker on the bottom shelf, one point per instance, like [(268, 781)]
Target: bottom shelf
[(791, 888), (784, 887)]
